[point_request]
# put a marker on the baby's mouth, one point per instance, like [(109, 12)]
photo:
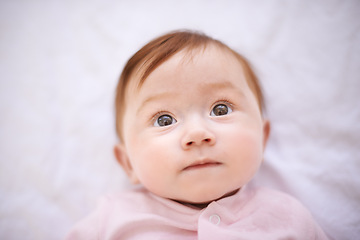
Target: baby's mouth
[(202, 164)]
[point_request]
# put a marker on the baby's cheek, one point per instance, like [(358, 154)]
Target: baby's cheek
[(248, 149), (152, 167)]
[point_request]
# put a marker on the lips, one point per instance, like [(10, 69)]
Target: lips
[(202, 164)]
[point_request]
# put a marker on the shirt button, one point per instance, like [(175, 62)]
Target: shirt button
[(215, 219)]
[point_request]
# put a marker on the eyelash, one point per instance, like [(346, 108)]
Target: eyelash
[(160, 113), (223, 101)]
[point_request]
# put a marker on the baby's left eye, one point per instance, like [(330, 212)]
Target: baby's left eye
[(220, 110)]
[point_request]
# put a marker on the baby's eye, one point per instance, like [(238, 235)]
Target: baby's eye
[(220, 110), (164, 120)]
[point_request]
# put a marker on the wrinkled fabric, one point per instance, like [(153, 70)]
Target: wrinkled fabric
[(252, 213)]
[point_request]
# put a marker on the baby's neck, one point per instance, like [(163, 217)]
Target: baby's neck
[(205, 204)]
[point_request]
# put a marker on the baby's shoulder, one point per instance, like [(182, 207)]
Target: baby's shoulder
[(114, 213), (273, 196), (267, 205), (126, 201), (275, 200)]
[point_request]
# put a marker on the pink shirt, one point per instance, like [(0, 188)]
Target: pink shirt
[(249, 214)]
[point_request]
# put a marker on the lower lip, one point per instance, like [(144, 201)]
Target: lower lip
[(201, 166)]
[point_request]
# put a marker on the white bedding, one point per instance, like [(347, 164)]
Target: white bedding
[(60, 61)]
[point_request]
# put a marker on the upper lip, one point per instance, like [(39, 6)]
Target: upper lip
[(201, 162)]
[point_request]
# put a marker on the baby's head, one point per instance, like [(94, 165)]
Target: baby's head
[(189, 118)]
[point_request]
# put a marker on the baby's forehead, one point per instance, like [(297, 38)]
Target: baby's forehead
[(185, 58)]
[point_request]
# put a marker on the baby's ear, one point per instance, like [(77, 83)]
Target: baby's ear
[(266, 130), (123, 159)]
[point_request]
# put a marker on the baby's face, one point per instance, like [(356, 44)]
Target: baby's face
[(193, 132)]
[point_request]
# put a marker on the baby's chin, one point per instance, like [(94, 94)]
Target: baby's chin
[(202, 202)]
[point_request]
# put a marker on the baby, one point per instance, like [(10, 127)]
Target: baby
[(192, 134)]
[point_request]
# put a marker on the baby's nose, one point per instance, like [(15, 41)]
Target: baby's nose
[(198, 137)]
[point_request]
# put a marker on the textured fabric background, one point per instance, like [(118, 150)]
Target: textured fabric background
[(59, 64)]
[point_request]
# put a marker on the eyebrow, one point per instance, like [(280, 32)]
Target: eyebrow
[(219, 85), (207, 87), (153, 98)]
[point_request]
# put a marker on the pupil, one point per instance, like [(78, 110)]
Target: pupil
[(164, 120), (220, 109)]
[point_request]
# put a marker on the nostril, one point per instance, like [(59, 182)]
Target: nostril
[(198, 139), (190, 143)]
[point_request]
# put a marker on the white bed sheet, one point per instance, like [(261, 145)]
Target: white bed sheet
[(60, 61)]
